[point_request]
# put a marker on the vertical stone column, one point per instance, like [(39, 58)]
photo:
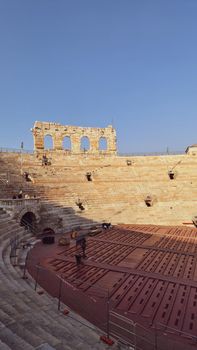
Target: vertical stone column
[(57, 140), (38, 139), (94, 143), (111, 140), (75, 142)]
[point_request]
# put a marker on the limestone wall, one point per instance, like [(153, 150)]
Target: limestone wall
[(75, 134), (117, 190)]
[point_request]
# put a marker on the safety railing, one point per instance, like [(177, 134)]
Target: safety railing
[(71, 293), (15, 150), (142, 154), (5, 178), (100, 152), (95, 304), (163, 341), (131, 335), (19, 240), (9, 203)]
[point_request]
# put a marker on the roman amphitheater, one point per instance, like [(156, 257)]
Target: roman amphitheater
[(136, 285)]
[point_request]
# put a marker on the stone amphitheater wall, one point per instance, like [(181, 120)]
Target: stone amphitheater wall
[(120, 185), (118, 190), (76, 135)]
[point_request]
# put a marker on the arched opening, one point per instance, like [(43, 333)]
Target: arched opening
[(171, 174), (66, 144), (28, 221), (85, 143), (102, 144), (48, 142), (129, 162), (148, 201), (89, 176), (48, 231), (48, 236)]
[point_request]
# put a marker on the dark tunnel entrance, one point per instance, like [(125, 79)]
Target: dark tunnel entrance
[(28, 220), (48, 231)]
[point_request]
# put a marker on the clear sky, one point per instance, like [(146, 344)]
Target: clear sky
[(94, 62)]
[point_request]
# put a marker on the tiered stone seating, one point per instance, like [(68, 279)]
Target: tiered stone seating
[(117, 191), (28, 320), (115, 194), (132, 184), (11, 170)]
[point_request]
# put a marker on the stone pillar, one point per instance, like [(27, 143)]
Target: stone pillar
[(94, 143), (57, 141), (110, 135), (75, 142), (38, 139)]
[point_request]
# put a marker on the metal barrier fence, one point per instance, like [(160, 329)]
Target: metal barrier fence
[(93, 303), (163, 341), (131, 334), (157, 337)]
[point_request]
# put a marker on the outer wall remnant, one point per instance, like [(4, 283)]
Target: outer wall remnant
[(59, 132)]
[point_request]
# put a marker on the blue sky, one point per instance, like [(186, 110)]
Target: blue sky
[(94, 62)]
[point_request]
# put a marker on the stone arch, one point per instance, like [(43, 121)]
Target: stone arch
[(66, 143), (48, 141), (28, 220), (103, 144), (48, 231), (19, 215), (57, 132), (84, 143)]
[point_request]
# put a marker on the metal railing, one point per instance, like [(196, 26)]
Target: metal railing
[(88, 152), (15, 150), (96, 307), (5, 178), (20, 240), (67, 291), (140, 154), (7, 203)]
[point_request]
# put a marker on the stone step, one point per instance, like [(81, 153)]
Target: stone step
[(12, 340), (33, 334), (9, 226), (4, 346), (45, 346)]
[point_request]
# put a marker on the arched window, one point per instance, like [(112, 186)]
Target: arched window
[(48, 142), (67, 143), (102, 144), (85, 143)]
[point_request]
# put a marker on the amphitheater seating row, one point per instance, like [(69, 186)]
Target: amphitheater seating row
[(31, 321), (117, 191)]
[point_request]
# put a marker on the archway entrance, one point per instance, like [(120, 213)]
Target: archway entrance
[(28, 220), (48, 231)]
